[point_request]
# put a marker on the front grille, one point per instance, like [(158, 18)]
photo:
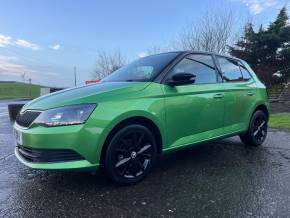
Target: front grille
[(47, 155), (25, 119)]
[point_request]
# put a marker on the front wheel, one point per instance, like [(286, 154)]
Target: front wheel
[(257, 131), (130, 154)]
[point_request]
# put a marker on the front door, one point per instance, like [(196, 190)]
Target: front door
[(194, 112)]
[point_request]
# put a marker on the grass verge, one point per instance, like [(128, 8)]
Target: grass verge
[(280, 121), (12, 90)]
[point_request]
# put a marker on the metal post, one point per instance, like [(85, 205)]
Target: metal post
[(29, 87)]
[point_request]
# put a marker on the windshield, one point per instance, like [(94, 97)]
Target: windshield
[(142, 70)]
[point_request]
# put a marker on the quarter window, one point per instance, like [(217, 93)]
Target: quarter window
[(230, 69), (201, 66), (245, 72)]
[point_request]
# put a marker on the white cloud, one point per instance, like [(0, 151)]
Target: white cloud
[(10, 68), (8, 58), (4, 40), (25, 44), (258, 6), (142, 54), (7, 40), (55, 47)]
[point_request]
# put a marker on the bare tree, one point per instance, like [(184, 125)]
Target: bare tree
[(212, 33), (155, 49), (108, 63)]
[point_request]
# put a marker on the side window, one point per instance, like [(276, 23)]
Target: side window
[(230, 69), (201, 66), (245, 72)]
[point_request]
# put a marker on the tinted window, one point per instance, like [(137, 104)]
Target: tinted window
[(245, 72), (201, 66), (230, 69), (143, 70)]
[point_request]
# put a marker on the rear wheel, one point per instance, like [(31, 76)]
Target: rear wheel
[(257, 131), (130, 154)]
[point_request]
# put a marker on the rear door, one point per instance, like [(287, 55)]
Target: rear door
[(240, 91), (194, 112)]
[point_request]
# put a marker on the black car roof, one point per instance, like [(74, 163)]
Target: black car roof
[(201, 52), (210, 53)]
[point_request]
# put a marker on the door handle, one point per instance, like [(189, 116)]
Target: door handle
[(250, 93), (218, 95)]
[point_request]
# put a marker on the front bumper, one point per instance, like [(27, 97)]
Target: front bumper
[(69, 165), (47, 155), (81, 140)]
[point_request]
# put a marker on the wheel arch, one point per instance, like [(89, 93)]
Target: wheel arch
[(259, 106), (149, 123), (263, 108)]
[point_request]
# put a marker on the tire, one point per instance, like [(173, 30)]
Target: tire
[(257, 131), (130, 154)]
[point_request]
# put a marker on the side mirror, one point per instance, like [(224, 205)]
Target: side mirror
[(181, 79)]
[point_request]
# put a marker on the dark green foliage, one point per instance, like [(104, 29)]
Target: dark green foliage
[(267, 50)]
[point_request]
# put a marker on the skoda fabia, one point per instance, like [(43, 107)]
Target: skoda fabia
[(155, 105)]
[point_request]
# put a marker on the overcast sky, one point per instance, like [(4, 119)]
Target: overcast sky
[(46, 39)]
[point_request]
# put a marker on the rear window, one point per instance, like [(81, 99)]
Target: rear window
[(230, 69)]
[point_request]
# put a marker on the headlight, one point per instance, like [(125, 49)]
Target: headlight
[(67, 115)]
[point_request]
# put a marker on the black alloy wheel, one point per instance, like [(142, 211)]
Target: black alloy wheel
[(130, 155), (257, 131)]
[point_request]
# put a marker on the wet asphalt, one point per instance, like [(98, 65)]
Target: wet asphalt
[(218, 179)]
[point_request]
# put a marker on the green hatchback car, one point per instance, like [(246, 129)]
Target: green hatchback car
[(155, 105)]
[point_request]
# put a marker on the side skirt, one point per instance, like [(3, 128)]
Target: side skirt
[(175, 148)]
